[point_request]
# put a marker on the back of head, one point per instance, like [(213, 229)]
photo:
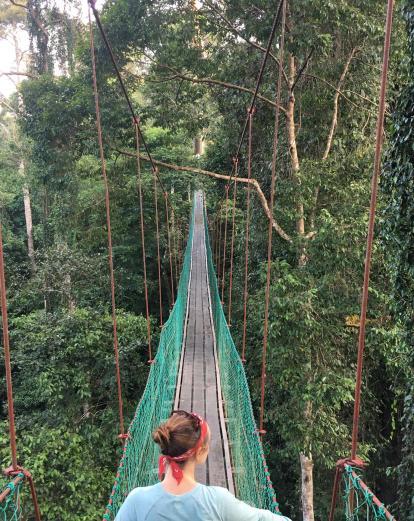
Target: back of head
[(178, 434)]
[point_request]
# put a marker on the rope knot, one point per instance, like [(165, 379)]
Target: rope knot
[(356, 462), (251, 110)]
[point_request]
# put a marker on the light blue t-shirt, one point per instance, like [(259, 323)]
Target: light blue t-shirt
[(202, 503)]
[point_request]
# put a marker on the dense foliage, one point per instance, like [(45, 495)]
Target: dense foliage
[(191, 70), (398, 238)]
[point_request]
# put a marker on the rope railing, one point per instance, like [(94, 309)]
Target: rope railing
[(138, 466), (10, 504), (360, 502), (250, 472)]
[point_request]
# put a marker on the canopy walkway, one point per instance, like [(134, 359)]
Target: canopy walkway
[(190, 372), (197, 366)]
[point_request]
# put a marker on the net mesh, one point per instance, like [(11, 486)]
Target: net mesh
[(138, 466), (359, 501), (10, 506), (251, 475)]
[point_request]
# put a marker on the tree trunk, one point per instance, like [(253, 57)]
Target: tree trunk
[(293, 149), (28, 217), (306, 465), (198, 146)]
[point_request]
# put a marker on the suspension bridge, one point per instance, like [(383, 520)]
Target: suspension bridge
[(197, 365)]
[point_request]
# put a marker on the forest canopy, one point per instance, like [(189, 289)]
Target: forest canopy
[(190, 69)]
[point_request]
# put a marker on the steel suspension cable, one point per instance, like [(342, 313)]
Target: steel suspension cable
[(233, 230), (270, 227), (167, 217), (122, 434), (158, 247), (142, 226), (247, 235), (223, 278)]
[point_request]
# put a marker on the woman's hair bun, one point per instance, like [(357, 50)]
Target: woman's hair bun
[(161, 436)]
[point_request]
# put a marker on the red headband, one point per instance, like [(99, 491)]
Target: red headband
[(174, 460)]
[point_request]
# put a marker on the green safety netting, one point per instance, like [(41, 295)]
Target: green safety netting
[(138, 466), (10, 507), (251, 475), (359, 501)]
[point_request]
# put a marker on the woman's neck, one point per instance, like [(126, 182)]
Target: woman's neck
[(186, 484)]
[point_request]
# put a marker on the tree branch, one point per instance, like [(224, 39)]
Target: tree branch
[(241, 35), (224, 84), (18, 74), (18, 5), (334, 121), (279, 230), (39, 24), (318, 78)]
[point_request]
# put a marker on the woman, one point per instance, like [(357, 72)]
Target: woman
[(184, 441)]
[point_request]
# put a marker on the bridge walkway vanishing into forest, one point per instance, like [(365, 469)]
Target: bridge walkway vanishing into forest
[(197, 366), (198, 387)]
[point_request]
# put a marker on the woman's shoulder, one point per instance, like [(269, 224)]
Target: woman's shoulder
[(145, 490), (218, 493)]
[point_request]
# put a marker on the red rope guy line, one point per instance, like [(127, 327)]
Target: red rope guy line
[(7, 362), (157, 227), (270, 227), (247, 235), (223, 278), (233, 230), (167, 218), (108, 226), (15, 469), (142, 226), (370, 235), (368, 256)]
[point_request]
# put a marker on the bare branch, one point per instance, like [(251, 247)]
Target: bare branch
[(37, 21), (318, 78), (18, 5), (334, 120), (223, 177), (17, 74), (241, 35), (224, 84), (302, 69)]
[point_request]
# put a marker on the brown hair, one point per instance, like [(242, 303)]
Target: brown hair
[(178, 434)]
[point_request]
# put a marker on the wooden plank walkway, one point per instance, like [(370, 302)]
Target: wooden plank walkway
[(199, 387)]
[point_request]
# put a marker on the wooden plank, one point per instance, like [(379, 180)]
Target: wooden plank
[(198, 390)]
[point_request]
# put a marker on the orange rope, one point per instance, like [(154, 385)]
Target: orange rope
[(233, 233), (370, 235), (169, 247), (7, 363), (108, 226), (219, 244), (247, 235), (223, 278), (270, 227), (175, 247), (142, 225), (157, 227)]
